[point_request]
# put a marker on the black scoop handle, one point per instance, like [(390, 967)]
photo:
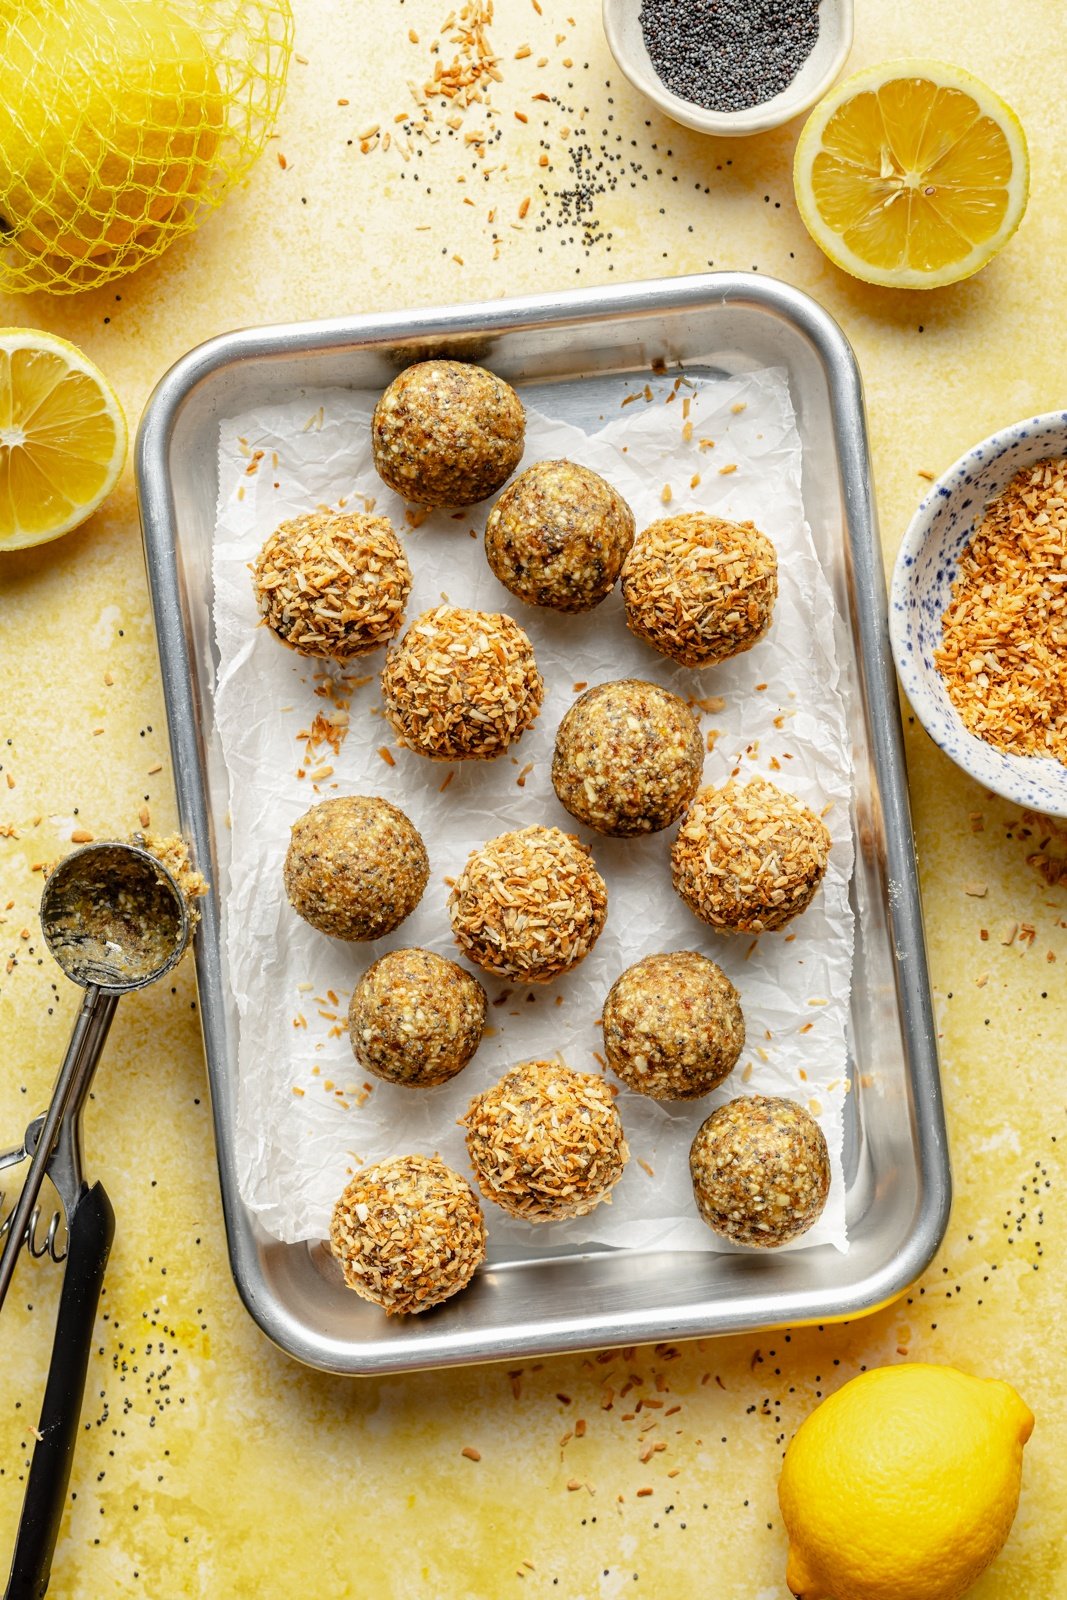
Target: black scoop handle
[(89, 1235)]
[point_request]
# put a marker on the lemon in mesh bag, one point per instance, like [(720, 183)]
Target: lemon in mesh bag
[(122, 122)]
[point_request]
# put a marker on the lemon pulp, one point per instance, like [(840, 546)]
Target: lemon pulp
[(912, 174), (62, 438)]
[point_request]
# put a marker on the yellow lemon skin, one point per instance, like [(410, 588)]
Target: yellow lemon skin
[(903, 1485), (111, 113)]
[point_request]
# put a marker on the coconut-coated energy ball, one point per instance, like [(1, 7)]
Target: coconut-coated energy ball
[(760, 1170), (546, 1143), (332, 584), (673, 1026), (462, 685), (355, 867), (447, 434), (699, 589), (408, 1233), (416, 1018), (628, 758), (558, 536), (749, 857), (529, 905)]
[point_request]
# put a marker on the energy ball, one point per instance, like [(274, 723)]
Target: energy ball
[(462, 685), (416, 1018), (748, 857), (332, 584), (529, 905), (355, 867), (760, 1170), (447, 434), (628, 758), (546, 1143), (699, 589), (673, 1026), (558, 536), (408, 1233)]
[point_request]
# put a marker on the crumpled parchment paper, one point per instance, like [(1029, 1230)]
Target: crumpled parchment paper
[(306, 1117)]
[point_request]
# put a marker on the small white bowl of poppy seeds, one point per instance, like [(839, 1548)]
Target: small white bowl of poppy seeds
[(730, 67)]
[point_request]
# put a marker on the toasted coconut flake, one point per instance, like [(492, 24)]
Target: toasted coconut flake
[(332, 584), (699, 589), (1004, 636), (529, 905), (545, 1142), (408, 1233), (462, 685), (748, 858)]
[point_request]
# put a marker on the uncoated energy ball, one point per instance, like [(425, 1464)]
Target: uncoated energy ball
[(558, 536), (673, 1026), (545, 1142), (408, 1233), (447, 434), (749, 857), (462, 685), (332, 584), (699, 589), (529, 905), (628, 758), (355, 867), (416, 1018), (760, 1170)]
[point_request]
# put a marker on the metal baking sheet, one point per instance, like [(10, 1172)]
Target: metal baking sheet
[(575, 353)]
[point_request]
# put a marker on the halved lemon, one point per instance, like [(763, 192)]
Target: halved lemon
[(62, 437), (912, 174)]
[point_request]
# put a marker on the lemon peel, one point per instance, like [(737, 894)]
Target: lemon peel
[(903, 1483)]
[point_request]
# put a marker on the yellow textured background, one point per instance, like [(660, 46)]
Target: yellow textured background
[(210, 1465)]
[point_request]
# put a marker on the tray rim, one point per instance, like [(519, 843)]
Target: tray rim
[(572, 307)]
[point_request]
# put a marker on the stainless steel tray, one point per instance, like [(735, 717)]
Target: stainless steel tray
[(590, 345)]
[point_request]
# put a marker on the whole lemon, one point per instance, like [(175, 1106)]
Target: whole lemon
[(903, 1485), (111, 113)]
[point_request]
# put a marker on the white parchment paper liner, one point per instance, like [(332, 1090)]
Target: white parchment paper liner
[(304, 1119)]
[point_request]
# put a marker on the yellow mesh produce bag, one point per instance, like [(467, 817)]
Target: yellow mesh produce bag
[(122, 123)]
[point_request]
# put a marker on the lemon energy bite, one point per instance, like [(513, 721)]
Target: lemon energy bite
[(355, 867), (462, 685), (749, 857), (760, 1170), (529, 905), (546, 1143), (558, 536), (673, 1026), (332, 584), (699, 589), (445, 433), (628, 758), (408, 1233), (416, 1018)]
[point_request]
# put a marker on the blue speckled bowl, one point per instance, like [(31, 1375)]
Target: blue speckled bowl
[(922, 588)]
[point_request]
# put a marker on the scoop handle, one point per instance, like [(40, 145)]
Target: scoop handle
[(72, 1085), (89, 1235)]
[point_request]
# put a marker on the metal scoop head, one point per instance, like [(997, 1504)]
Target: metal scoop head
[(114, 917)]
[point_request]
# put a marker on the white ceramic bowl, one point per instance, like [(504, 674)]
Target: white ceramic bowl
[(926, 568), (626, 43)]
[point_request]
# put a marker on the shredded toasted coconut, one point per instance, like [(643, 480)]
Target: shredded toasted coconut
[(1004, 655)]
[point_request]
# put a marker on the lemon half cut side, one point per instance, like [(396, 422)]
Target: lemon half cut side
[(912, 174), (62, 437)]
